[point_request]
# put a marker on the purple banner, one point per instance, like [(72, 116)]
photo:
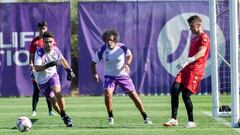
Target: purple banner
[(18, 26), (156, 32)]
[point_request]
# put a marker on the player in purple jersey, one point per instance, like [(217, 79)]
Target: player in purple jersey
[(37, 42), (45, 62), (117, 59)]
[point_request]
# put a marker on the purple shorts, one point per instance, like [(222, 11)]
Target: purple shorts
[(125, 82), (46, 87)]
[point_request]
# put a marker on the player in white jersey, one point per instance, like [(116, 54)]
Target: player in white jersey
[(45, 61), (117, 59)]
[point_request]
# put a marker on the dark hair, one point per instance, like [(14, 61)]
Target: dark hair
[(194, 18), (42, 24), (106, 35), (48, 34)]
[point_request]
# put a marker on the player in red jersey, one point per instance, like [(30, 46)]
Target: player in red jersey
[(36, 43), (191, 72)]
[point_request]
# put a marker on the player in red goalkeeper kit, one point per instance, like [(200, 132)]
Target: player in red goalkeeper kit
[(191, 72)]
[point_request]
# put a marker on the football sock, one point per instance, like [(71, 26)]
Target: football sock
[(49, 105), (144, 115), (63, 113), (110, 114), (175, 98), (35, 97), (188, 103)]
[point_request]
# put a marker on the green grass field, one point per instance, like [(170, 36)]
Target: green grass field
[(90, 117)]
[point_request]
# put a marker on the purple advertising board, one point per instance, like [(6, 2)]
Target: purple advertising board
[(18, 26), (156, 32)]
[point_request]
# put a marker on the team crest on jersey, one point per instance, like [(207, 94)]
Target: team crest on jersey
[(205, 39), (40, 52)]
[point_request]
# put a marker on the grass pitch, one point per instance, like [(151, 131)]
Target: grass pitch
[(90, 118)]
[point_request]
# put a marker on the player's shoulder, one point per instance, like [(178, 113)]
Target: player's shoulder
[(204, 35), (122, 46), (55, 47), (40, 52), (102, 48), (36, 39)]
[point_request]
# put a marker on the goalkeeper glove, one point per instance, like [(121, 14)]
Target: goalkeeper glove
[(51, 64), (182, 65), (70, 74)]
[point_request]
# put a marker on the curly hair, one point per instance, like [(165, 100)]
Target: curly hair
[(107, 34)]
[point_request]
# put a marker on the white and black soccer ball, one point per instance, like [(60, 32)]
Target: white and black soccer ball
[(23, 124)]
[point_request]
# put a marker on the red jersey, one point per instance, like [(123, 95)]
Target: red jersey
[(192, 74), (196, 43), (37, 42)]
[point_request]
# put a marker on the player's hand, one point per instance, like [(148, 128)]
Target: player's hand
[(127, 68), (70, 74), (52, 63), (182, 65), (31, 67), (96, 78)]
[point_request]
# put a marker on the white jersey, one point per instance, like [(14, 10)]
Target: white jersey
[(42, 58), (113, 60)]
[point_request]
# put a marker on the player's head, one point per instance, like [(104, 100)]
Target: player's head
[(110, 38), (42, 27), (48, 38), (195, 24)]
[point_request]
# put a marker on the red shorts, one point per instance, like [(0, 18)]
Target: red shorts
[(189, 79)]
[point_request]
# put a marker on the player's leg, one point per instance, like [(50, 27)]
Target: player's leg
[(54, 103), (50, 111), (54, 84), (108, 103), (35, 98), (60, 99), (139, 104), (61, 104), (109, 87), (189, 107), (125, 82), (175, 91)]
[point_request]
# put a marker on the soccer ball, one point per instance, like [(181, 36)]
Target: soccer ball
[(23, 124)]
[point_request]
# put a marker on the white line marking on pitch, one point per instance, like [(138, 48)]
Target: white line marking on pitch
[(219, 119)]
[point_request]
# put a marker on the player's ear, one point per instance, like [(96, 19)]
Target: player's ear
[(200, 25)]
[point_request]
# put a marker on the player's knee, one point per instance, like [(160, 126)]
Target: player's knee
[(175, 89), (108, 94)]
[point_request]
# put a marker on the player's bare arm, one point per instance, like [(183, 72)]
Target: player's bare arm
[(201, 52), (64, 63), (70, 73), (31, 57), (129, 59)]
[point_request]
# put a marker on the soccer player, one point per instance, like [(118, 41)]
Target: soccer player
[(37, 42), (45, 62), (117, 59), (191, 72)]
